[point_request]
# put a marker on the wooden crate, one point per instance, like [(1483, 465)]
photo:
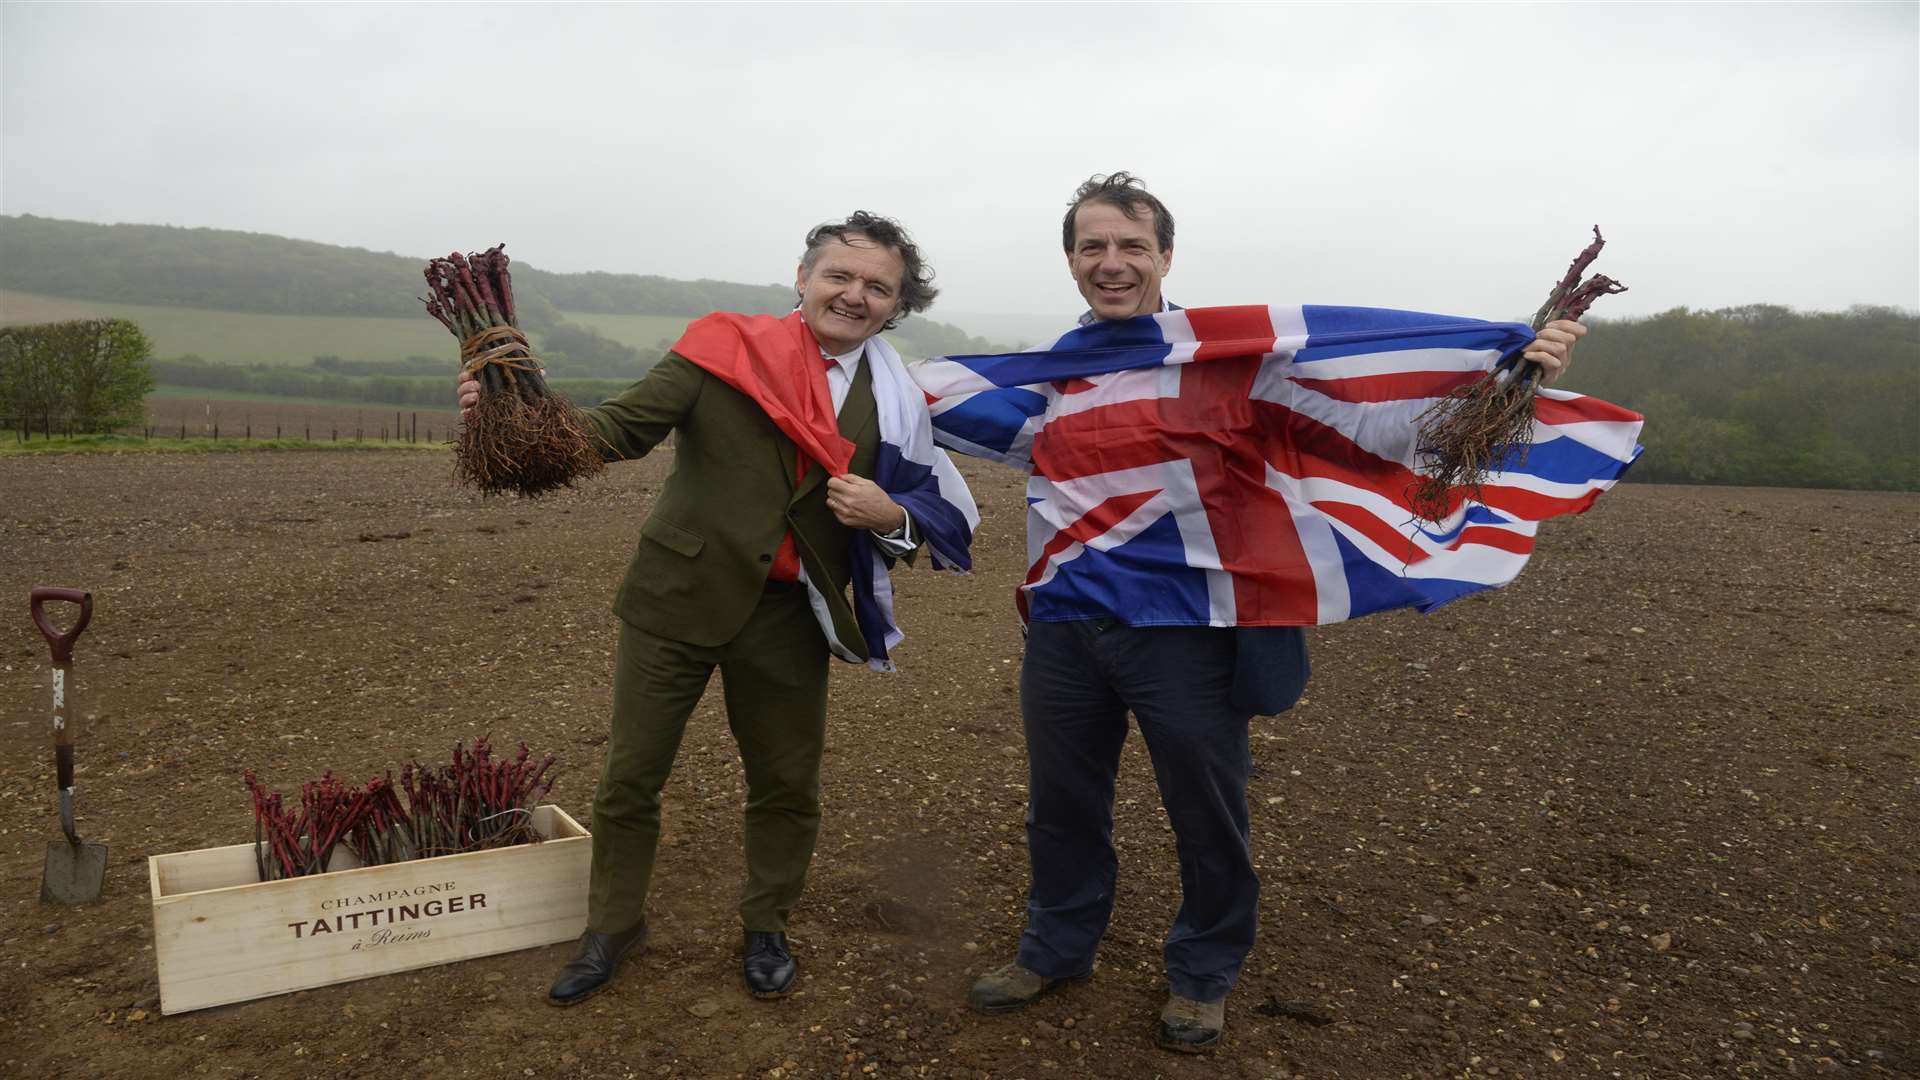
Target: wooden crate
[(221, 935)]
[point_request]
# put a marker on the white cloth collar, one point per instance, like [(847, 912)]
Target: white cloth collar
[(849, 361)]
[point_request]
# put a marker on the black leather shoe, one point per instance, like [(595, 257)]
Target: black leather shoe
[(768, 965), (592, 967)]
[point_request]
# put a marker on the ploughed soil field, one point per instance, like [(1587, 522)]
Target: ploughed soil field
[(1652, 811)]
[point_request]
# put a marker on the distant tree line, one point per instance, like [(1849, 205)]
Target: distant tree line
[(89, 373), (408, 367), (1764, 395), (239, 271), (573, 351)]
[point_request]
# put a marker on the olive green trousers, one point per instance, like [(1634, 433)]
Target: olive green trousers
[(774, 676)]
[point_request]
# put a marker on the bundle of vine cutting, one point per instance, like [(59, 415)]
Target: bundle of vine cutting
[(1481, 426), (521, 437), (474, 803), (478, 802)]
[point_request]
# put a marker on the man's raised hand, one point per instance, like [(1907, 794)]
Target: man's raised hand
[(1552, 348), (468, 392)]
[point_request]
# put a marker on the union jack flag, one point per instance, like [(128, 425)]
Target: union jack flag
[(1251, 466)]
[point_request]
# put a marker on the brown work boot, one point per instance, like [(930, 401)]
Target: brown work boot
[(1190, 1026), (1009, 987)]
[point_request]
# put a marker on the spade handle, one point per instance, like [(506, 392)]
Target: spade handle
[(60, 641)]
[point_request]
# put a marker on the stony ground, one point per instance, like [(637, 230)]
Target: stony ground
[(1650, 812)]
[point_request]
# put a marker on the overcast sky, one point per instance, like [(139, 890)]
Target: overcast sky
[(1446, 158)]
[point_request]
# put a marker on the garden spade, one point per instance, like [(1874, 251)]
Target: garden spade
[(76, 870)]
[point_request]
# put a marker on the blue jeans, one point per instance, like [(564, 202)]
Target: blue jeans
[(1078, 681)]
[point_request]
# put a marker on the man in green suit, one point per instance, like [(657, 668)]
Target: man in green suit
[(721, 578)]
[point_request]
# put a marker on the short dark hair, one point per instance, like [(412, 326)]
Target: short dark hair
[(1130, 194), (916, 278)]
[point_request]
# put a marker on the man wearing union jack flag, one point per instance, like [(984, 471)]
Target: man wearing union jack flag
[(1167, 560)]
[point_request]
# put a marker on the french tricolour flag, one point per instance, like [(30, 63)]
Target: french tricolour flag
[(1251, 466)]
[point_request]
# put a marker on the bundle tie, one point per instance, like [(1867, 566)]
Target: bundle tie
[(497, 345)]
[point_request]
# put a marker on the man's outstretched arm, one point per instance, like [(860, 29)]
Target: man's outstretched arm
[(634, 422)]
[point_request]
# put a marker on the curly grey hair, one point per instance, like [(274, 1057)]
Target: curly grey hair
[(916, 279)]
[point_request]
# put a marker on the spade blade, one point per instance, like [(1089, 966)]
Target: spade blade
[(75, 873)]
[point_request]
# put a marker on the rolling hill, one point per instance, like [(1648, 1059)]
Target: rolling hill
[(244, 337), (237, 297)]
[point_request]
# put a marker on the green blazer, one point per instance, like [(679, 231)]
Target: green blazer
[(705, 550)]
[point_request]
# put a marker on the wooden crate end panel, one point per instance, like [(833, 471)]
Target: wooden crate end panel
[(180, 872), (556, 824)]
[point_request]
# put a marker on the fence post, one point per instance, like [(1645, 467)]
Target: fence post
[(216, 431), (183, 431), (415, 436)]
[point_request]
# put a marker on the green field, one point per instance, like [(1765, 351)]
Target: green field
[(239, 337), (643, 332)]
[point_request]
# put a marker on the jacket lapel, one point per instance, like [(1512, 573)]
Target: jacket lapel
[(857, 417)]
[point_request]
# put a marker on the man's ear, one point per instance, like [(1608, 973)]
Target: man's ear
[(1166, 262), (800, 279)]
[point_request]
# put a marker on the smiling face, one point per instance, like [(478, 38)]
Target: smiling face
[(1116, 261), (850, 291)]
